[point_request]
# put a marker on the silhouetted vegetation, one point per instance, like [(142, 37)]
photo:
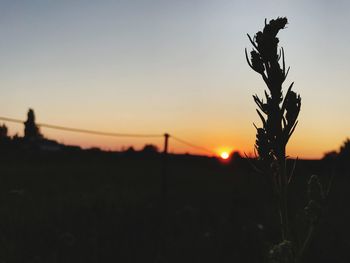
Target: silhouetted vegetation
[(96, 206), (31, 130), (3, 132), (345, 150), (278, 114)]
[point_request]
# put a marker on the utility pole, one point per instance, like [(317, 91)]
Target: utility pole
[(164, 171), (161, 244)]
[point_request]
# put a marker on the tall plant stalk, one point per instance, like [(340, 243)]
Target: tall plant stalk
[(278, 112)]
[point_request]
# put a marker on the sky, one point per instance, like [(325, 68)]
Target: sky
[(156, 66)]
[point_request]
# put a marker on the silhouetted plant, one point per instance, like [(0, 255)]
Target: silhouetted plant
[(279, 113)]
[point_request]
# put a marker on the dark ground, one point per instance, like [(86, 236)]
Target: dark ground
[(99, 207)]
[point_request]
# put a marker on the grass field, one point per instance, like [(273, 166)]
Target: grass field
[(104, 208)]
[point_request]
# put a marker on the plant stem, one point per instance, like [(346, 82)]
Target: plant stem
[(305, 244), (283, 197)]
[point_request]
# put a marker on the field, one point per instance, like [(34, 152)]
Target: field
[(104, 207)]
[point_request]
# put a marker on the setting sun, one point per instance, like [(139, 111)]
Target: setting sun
[(224, 155)]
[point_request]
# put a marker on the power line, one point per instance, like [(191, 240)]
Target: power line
[(97, 132), (11, 120), (192, 145), (63, 128)]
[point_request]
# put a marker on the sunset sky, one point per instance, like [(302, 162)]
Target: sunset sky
[(143, 66)]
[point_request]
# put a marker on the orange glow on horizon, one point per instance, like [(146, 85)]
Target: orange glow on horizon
[(225, 155), (302, 145), (224, 152)]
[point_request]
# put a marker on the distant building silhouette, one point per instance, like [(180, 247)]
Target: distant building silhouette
[(31, 130)]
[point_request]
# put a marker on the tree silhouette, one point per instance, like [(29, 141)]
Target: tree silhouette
[(150, 149), (3, 131), (31, 130), (345, 149)]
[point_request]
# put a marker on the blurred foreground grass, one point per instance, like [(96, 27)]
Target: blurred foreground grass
[(89, 209)]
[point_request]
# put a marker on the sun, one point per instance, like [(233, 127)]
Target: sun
[(224, 155)]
